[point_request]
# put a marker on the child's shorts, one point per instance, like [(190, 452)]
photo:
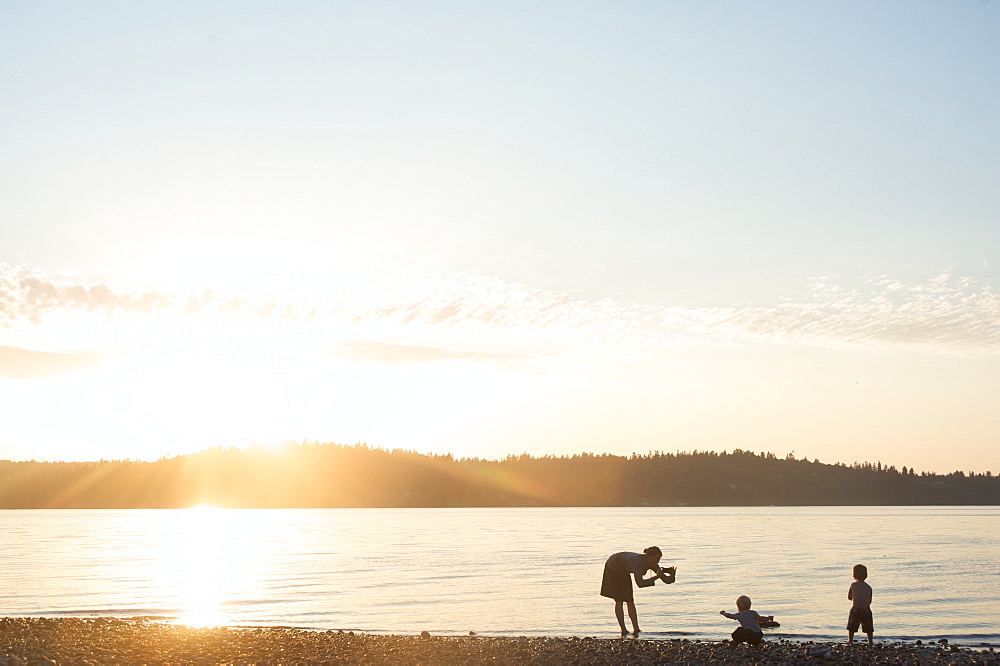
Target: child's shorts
[(744, 635), (860, 617)]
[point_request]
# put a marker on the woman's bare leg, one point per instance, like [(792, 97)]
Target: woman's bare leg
[(632, 616), (620, 614)]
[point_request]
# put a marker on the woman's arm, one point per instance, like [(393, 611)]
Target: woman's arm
[(668, 575), (644, 582), (662, 574)]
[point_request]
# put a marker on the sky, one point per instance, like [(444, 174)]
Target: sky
[(492, 228)]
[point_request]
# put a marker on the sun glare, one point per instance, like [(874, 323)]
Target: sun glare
[(201, 400), (202, 563)]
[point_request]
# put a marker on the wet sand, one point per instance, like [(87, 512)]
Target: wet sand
[(141, 641)]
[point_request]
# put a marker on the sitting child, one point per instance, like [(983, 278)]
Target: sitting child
[(749, 629)]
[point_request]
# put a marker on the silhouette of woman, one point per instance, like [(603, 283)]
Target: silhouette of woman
[(616, 584)]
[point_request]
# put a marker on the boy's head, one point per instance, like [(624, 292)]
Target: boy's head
[(860, 572), (743, 603)]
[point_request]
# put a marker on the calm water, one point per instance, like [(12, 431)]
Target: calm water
[(935, 570)]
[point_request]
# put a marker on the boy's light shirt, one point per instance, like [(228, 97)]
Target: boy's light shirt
[(860, 593)]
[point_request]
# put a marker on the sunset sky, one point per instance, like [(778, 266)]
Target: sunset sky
[(485, 228)]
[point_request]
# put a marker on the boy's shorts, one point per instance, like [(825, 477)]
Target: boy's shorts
[(860, 617), (744, 635)]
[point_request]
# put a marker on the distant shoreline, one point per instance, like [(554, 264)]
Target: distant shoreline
[(139, 640), (337, 476), (495, 506)]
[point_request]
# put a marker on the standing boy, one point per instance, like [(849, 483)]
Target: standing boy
[(860, 594)]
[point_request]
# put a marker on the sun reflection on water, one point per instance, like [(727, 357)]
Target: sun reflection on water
[(204, 561)]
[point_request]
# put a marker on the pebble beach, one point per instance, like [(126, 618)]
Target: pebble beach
[(142, 641)]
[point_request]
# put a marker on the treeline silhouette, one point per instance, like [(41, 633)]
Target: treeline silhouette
[(333, 475)]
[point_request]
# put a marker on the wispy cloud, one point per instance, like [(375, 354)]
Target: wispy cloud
[(382, 352), (27, 295), (943, 315), (33, 364), (485, 319)]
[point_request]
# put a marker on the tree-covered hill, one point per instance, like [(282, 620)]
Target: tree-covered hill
[(333, 475)]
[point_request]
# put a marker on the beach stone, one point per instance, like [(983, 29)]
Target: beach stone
[(47, 641)]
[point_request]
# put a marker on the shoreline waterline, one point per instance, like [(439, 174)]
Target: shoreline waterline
[(930, 638), (142, 640)]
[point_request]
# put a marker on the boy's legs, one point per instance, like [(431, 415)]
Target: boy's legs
[(742, 634), (868, 625), (853, 622)]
